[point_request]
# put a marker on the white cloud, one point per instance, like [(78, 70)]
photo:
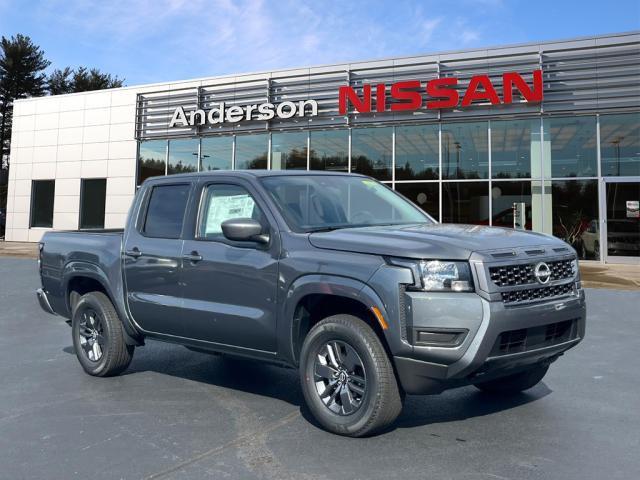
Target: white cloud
[(190, 38)]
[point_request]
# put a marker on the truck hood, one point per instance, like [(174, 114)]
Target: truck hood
[(433, 241)]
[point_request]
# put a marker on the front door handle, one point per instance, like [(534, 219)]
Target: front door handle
[(134, 253), (193, 257)]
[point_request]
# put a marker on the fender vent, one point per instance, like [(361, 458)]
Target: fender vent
[(402, 313)]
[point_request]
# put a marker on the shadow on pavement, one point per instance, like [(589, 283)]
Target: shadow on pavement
[(462, 403), (282, 383)]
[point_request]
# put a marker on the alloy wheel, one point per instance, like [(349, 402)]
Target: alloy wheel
[(339, 377), (91, 333)]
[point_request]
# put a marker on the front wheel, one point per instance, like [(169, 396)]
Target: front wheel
[(515, 383), (98, 338), (347, 377)]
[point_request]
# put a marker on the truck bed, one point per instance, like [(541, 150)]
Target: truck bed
[(98, 251)]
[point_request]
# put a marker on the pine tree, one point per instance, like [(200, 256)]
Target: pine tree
[(80, 80), (22, 65)]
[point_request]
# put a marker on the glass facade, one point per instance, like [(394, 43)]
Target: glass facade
[(417, 152), (505, 193), (465, 202), (465, 150), (620, 144), (152, 159), (463, 172), (371, 152), (216, 153), (426, 195), (572, 147), (252, 151), (515, 148), (289, 151), (183, 156), (329, 150), (573, 206)]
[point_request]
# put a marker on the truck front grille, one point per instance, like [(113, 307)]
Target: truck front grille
[(522, 274), (525, 339), (533, 294)]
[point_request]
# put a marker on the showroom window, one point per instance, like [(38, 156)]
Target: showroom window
[(252, 151), (425, 195), (152, 156), (572, 146), (465, 153), (93, 193), (574, 211), (216, 153), (465, 202), (42, 195), (512, 145), (329, 150), (371, 152), (183, 156), (620, 144), (289, 151), (417, 152), (505, 193)]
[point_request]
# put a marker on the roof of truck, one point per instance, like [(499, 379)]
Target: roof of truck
[(254, 173)]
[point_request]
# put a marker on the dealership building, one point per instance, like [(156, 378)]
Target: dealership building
[(551, 127)]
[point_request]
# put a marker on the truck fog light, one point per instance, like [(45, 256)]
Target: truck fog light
[(440, 337)]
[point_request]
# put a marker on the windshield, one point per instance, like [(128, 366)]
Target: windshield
[(325, 202)]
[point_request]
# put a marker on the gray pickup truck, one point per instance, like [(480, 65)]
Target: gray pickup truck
[(334, 274)]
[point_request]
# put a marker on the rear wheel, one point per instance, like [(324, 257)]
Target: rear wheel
[(515, 383), (347, 378), (98, 338)]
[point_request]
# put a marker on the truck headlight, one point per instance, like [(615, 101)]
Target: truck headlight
[(438, 275)]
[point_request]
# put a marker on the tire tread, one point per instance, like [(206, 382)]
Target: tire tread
[(118, 354)]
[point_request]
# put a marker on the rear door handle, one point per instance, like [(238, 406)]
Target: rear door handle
[(134, 253), (193, 257)]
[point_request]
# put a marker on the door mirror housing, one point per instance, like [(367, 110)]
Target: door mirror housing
[(243, 230)]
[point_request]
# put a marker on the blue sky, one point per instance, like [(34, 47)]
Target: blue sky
[(148, 41)]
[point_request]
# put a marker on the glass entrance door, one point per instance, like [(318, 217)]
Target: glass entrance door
[(622, 199)]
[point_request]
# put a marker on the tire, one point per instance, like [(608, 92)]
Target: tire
[(365, 377), (95, 321), (516, 383)]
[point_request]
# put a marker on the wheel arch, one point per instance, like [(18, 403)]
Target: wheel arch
[(315, 297), (81, 278)]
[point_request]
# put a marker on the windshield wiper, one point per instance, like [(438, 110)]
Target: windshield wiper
[(324, 229)]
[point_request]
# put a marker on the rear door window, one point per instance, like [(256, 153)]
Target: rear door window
[(166, 211)]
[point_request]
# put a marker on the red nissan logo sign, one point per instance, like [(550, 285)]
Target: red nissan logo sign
[(441, 93)]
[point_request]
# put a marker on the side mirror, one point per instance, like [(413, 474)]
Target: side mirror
[(244, 229)]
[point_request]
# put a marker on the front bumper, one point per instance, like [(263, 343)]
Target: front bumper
[(499, 340), (43, 300)]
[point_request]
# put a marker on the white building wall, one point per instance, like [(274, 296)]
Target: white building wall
[(68, 138)]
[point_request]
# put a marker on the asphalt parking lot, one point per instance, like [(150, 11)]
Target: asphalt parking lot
[(180, 414)]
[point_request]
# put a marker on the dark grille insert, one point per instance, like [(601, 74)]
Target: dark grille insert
[(523, 340), (522, 274), (533, 294)]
